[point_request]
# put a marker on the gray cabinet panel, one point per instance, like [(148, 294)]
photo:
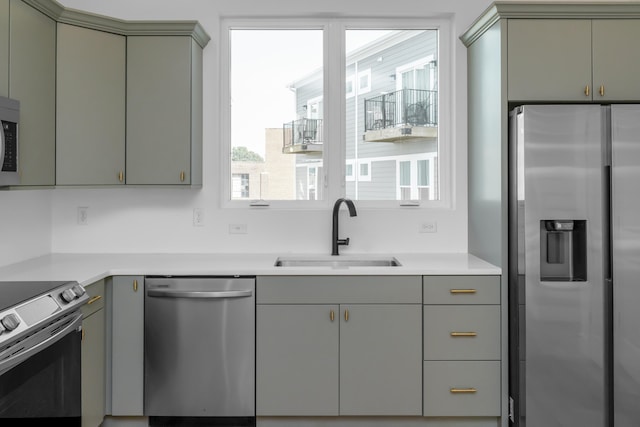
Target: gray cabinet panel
[(297, 360), (4, 47), (339, 289), (93, 369), (549, 59), (159, 109), (616, 60), (456, 389), (462, 332), (91, 77), (461, 290), (380, 360), (32, 64), (127, 346)]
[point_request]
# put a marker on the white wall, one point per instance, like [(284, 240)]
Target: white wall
[(160, 220), (25, 225)]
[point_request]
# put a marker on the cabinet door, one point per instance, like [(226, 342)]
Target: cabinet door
[(159, 109), (616, 60), (32, 81), (127, 347), (91, 76), (4, 47), (549, 60), (297, 360), (380, 360), (93, 369)]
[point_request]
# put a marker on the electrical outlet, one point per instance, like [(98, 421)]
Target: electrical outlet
[(83, 215), (237, 228), (429, 227), (198, 217)]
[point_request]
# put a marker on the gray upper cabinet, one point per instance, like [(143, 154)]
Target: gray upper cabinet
[(4, 47), (32, 70), (573, 60), (91, 78), (549, 60), (616, 60), (164, 110)]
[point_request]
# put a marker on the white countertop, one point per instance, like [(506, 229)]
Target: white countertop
[(87, 268)]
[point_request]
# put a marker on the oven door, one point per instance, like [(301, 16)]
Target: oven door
[(40, 376)]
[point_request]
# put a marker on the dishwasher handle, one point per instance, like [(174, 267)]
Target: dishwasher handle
[(176, 293)]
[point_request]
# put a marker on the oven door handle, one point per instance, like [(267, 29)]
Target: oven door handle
[(173, 293), (21, 356)]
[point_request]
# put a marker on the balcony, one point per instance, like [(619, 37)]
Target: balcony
[(302, 136), (401, 116)]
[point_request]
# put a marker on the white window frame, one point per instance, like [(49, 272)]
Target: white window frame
[(334, 106), (351, 79), (350, 176), (366, 89), (361, 177)]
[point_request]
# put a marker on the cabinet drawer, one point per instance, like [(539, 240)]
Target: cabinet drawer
[(96, 298), (461, 388), (467, 332), (461, 289), (338, 290)]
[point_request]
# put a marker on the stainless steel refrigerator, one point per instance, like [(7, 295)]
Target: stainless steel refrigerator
[(574, 265)]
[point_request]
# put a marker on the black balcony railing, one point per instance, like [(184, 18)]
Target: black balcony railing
[(301, 133), (405, 107)]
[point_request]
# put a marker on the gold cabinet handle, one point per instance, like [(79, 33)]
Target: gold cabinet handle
[(135, 285), (464, 334), (346, 315), (182, 176), (94, 299), (121, 176), (601, 90), (462, 291), (586, 90), (332, 315), (462, 390)]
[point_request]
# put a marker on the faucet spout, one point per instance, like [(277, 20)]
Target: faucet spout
[(335, 241)]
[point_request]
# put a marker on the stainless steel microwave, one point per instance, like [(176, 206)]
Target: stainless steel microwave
[(9, 148)]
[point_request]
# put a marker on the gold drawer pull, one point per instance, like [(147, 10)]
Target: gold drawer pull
[(462, 390), (586, 90), (182, 176), (602, 90), (94, 299), (464, 334), (346, 315), (332, 315), (121, 176), (135, 285), (462, 291)]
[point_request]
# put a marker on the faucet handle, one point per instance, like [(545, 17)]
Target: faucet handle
[(344, 242)]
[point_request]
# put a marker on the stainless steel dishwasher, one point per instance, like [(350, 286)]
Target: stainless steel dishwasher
[(200, 350)]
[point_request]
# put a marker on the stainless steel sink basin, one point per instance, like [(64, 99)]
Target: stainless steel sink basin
[(337, 261)]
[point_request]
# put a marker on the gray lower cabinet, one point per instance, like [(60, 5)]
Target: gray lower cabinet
[(126, 391), (462, 346), (93, 356), (90, 133), (331, 345), (4, 46), (164, 110), (32, 71)]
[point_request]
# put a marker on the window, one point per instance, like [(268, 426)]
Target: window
[(240, 185), (380, 129)]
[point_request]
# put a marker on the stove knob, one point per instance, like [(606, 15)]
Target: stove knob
[(10, 322), (79, 290), (68, 295)]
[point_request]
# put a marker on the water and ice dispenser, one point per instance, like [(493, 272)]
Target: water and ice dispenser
[(563, 250)]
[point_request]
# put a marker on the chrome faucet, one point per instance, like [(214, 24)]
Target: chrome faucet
[(335, 241)]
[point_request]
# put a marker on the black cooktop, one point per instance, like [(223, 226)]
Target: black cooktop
[(13, 293)]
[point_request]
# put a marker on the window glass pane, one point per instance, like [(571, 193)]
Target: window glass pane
[(423, 172), (394, 123), (364, 169), (276, 113), (405, 173)]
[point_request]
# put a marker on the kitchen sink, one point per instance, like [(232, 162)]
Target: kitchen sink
[(337, 261)]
